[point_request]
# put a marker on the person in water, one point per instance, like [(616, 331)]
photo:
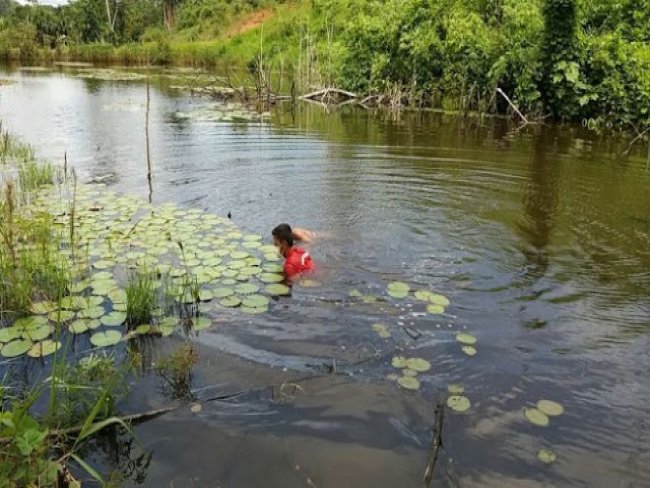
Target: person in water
[(296, 260)]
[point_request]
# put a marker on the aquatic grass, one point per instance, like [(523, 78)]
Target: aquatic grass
[(141, 298), (176, 371)]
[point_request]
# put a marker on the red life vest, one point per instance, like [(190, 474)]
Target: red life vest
[(297, 261)]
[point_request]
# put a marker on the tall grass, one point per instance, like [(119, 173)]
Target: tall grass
[(141, 298)]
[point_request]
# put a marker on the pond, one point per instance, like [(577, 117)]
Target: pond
[(539, 237)]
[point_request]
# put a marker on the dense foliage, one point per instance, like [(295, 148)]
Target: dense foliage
[(584, 60)]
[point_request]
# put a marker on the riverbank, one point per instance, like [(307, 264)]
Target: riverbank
[(569, 61)]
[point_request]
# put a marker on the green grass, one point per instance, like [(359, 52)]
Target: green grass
[(141, 298)]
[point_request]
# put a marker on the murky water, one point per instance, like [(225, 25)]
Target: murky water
[(540, 237)]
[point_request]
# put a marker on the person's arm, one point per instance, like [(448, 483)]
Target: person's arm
[(303, 235)]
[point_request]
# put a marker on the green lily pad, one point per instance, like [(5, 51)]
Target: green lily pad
[(435, 309), (119, 307), (16, 348), (91, 313), (61, 316), (8, 334), (271, 278), (117, 295), (398, 362), (230, 302), (239, 255), (550, 408), (205, 295), (392, 377), (409, 372), (30, 323), (536, 416), (369, 299), (142, 329), (42, 308), (80, 326), (546, 456), (223, 292), (106, 338), (308, 283), (354, 293), (433, 298), (467, 339), (246, 289), (255, 301), (44, 348), (458, 403), (408, 382), (237, 264), (418, 364), (113, 319), (277, 289), (103, 264), (456, 389), (381, 330), (201, 323), (469, 350), (398, 289), (37, 334)]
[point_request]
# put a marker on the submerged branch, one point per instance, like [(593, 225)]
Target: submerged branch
[(514, 107), (436, 444)]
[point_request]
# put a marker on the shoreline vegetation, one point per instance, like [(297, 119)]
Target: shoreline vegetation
[(568, 60)]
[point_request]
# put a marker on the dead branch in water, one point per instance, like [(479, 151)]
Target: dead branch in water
[(501, 92), (436, 444), (146, 134)]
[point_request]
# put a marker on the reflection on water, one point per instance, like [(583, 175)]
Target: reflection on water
[(539, 236)]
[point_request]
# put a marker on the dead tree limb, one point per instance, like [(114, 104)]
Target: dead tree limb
[(500, 92), (436, 444)]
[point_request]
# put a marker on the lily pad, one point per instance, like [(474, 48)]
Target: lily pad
[(409, 372), (458, 403), (223, 292), (103, 264), (61, 316), (271, 278), (106, 338), (550, 408), (392, 377), (398, 289), (42, 308), (142, 329), (246, 288), (44, 348), (418, 364), (113, 319), (205, 295), (30, 323), (456, 389), (230, 302), (435, 309), (398, 362), (308, 283), (354, 293), (8, 334), (467, 339), (37, 334), (16, 348), (381, 330), (536, 416), (469, 350), (80, 326), (408, 382), (277, 289), (546, 456), (201, 323)]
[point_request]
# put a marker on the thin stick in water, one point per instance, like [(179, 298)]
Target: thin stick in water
[(146, 133), (500, 91)]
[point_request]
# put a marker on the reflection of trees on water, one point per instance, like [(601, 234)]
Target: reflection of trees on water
[(540, 206)]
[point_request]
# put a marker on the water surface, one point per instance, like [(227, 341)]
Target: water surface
[(539, 236)]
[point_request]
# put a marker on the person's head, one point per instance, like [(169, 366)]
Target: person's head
[(282, 237)]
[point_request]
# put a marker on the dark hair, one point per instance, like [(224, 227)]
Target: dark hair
[(284, 233)]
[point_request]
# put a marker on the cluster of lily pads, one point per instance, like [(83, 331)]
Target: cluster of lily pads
[(540, 415), (197, 260), (410, 367), (107, 74), (436, 304), (223, 113), (468, 342)]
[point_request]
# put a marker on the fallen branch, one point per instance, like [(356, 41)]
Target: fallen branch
[(436, 444), (639, 136), (325, 92), (500, 91), (138, 417)]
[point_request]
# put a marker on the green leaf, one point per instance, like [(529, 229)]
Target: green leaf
[(87, 468)]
